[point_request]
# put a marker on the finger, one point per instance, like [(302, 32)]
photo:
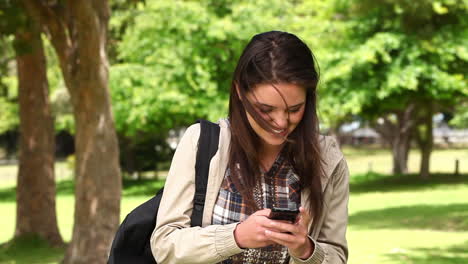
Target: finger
[(283, 226), (280, 238), (263, 212)]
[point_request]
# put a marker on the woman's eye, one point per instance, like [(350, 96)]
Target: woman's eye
[(295, 110), (265, 111)]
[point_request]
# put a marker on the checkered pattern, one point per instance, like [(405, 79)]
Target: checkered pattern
[(230, 207)]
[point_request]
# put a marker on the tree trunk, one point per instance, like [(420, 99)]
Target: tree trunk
[(425, 140), (98, 182), (400, 149), (78, 32), (36, 210), (398, 134)]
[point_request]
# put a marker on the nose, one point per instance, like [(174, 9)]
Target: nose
[(280, 120)]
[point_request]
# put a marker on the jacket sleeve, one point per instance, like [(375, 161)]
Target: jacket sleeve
[(173, 240), (331, 245)]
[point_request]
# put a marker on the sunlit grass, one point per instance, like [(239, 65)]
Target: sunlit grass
[(398, 220), (8, 173), (404, 246), (363, 160)]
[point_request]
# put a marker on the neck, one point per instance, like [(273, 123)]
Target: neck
[(270, 150), (268, 154)]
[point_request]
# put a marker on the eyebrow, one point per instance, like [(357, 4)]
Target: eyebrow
[(273, 107)]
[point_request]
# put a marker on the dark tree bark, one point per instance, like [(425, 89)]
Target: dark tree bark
[(398, 134), (35, 207), (424, 137), (78, 32)]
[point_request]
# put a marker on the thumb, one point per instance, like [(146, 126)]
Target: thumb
[(305, 217)]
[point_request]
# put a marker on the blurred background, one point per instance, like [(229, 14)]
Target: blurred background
[(95, 97)]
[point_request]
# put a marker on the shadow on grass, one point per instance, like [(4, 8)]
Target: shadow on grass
[(30, 250), (375, 182), (456, 254), (371, 182), (142, 187), (452, 217), (8, 194)]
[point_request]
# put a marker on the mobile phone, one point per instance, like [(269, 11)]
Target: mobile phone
[(283, 214)]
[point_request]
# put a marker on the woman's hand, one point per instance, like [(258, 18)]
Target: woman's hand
[(297, 240), (251, 232)]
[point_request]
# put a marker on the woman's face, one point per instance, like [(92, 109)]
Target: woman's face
[(271, 107)]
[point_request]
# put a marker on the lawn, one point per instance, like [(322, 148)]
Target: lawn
[(400, 220), (363, 160), (393, 219)]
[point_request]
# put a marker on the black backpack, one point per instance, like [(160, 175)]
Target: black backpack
[(132, 241)]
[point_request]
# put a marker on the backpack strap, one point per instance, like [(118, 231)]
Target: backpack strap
[(207, 147)]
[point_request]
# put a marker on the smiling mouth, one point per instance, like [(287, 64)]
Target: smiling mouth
[(276, 131), (280, 132)]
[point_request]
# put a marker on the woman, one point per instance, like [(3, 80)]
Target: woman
[(270, 155)]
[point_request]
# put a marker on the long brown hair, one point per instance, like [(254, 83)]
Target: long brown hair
[(271, 58)]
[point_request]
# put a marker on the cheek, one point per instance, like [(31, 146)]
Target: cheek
[(250, 119), (296, 117), (253, 124)]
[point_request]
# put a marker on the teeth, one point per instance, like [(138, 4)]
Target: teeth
[(278, 131)]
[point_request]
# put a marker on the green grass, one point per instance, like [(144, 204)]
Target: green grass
[(392, 219), (134, 193), (398, 219), (363, 160), (29, 250)]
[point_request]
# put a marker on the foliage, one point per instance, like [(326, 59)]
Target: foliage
[(314, 22), (173, 65), (396, 52), (62, 109), (177, 59), (172, 61), (11, 18), (460, 118), (8, 104), (143, 152)]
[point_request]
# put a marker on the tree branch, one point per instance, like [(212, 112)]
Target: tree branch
[(386, 130), (52, 21), (408, 121)]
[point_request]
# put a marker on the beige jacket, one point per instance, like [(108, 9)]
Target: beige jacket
[(174, 241)]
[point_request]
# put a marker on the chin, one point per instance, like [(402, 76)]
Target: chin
[(274, 141)]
